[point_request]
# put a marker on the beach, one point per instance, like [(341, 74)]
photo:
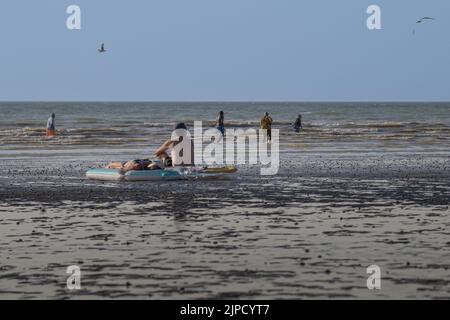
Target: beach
[(359, 186)]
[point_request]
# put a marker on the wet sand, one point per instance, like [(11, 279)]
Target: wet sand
[(309, 232)]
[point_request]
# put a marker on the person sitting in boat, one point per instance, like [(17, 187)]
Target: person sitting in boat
[(297, 124), (181, 148), (51, 131)]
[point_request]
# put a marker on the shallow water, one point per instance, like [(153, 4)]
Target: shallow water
[(128, 127)]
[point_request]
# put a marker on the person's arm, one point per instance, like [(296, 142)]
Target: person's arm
[(166, 145)]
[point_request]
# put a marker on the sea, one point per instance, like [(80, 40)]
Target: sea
[(135, 129)]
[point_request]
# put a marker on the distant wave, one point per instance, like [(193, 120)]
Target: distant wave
[(125, 133)]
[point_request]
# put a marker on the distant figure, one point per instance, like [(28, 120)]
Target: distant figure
[(51, 132), (420, 21), (298, 123), (102, 48), (219, 123), (266, 123)]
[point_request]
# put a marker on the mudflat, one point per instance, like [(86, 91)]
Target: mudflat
[(309, 232)]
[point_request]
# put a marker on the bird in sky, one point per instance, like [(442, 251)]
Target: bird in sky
[(102, 48), (420, 21)]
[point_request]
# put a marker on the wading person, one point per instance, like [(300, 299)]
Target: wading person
[(220, 123), (266, 124), (51, 131), (297, 126)]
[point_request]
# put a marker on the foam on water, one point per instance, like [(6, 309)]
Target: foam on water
[(328, 127)]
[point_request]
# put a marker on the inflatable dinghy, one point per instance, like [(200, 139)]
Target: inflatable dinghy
[(105, 174), (160, 175)]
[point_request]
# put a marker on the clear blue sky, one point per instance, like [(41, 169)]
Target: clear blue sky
[(248, 50)]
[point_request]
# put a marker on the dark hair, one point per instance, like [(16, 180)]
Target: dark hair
[(180, 125), (267, 113), (221, 112), (53, 115)]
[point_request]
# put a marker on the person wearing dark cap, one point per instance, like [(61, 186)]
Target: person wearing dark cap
[(181, 148)]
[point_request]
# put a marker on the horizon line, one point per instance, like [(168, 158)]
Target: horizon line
[(224, 101)]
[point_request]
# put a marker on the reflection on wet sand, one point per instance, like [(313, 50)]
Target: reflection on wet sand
[(290, 236)]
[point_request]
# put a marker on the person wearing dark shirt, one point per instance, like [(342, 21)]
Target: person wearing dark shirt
[(297, 126)]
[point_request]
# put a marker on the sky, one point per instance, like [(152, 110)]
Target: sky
[(224, 50)]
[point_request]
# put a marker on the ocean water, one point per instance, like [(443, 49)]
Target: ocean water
[(92, 128)]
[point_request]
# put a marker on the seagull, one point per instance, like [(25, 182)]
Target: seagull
[(420, 21), (102, 48)]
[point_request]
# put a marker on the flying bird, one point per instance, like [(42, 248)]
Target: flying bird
[(102, 48), (420, 21)]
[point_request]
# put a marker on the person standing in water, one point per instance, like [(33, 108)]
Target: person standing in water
[(51, 131), (219, 123), (266, 124), (298, 123)]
